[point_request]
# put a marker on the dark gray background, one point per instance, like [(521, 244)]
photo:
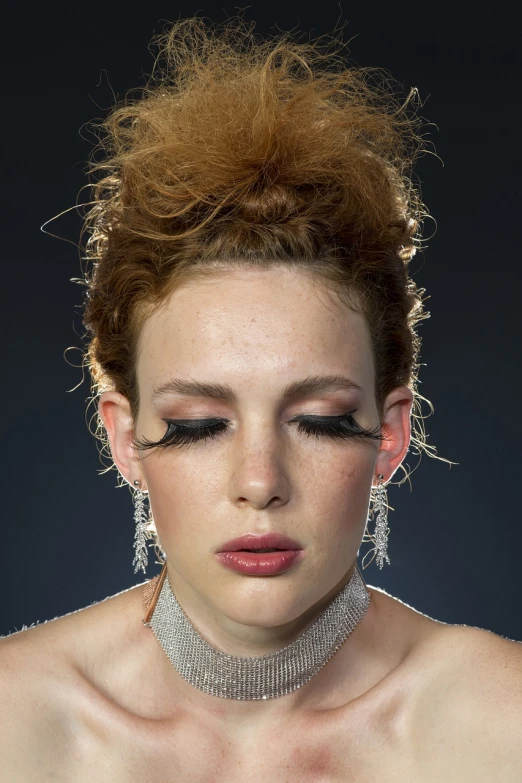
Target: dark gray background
[(455, 542)]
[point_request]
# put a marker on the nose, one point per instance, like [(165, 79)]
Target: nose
[(259, 477)]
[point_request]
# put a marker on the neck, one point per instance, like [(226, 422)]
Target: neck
[(233, 638), (359, 664), (338, 612)]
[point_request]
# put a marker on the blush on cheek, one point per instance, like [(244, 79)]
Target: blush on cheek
[(356, 478), (352, 487)]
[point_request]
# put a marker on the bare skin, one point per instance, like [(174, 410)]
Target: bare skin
[(85, 699), (92, 697)]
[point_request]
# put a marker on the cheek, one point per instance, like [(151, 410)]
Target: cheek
[(179, 497), (166, 489), (332, 490), (342, 491)]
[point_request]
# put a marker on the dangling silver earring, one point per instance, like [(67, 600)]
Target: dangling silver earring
[(140, 538), (380, 537)]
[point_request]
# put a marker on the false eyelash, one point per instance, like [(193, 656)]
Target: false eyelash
[(337, 427), (184, 434), (343, 426)]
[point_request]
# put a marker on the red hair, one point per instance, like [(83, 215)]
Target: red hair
[(248, 152)]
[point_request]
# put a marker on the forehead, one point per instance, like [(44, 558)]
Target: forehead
[(256, 323)]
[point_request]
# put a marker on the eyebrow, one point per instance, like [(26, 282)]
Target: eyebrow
[(302, 388)]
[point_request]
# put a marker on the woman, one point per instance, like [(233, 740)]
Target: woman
[(254, 355)]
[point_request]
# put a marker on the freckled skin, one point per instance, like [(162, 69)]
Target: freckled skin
[(114, 708), (257, 332)]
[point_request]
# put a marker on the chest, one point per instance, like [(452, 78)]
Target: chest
[(361, 750), (324, 753)]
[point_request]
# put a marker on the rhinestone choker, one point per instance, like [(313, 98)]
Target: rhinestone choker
[(265, 677)]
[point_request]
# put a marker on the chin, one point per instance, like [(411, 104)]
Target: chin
[(274, 603)]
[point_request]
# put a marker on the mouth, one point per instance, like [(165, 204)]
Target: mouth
[(260, 550), (262, 544), (268, 561)]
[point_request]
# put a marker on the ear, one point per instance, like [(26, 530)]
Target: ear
[(114, 410), (396, 427)]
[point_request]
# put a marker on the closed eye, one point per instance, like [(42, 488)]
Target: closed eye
[(343, 426), (183, 432)]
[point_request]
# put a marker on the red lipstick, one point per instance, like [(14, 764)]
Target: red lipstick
[(243, 556)]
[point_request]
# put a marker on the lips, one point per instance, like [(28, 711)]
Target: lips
[(258, 564), (254, 543)]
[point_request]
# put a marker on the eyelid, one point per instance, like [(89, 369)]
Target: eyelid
[(347, 427), (300, 416), (209, 420)]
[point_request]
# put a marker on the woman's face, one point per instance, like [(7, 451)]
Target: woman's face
[(257, 332)]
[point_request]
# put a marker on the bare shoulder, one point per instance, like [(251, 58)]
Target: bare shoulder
[(470, 706), (43, 669), (76, 637), (483, 663), (32, 685), (464, 719)]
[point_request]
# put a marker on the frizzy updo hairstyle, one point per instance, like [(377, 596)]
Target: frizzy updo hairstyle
[(247, 152)]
